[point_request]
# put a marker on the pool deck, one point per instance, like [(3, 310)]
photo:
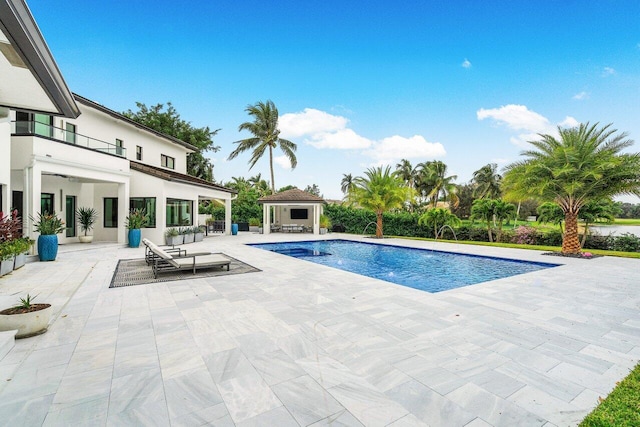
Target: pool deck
[(300, 344)]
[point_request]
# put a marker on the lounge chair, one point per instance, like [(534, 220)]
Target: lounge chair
[(149, 256), (164, 261)]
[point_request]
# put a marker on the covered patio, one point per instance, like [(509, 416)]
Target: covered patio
[(294, 211)]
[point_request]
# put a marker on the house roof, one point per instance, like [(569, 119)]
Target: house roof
[(31, 80), (116, 115), (294, 195), (169, 175)]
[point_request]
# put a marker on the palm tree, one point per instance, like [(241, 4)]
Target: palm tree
[(264, 129), (238, 183), (379, 190), (406, 172), (482, 209), (585, 163), (433, 182), (596, 210), (346, 183), (438, 218), (487, 182), (502, 211), (261, 185), (550, 213)]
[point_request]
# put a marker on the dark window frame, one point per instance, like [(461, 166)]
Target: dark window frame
[(114, 214), (167, 161), (138, 153), (152, 218), (52, 198), (170, 203)]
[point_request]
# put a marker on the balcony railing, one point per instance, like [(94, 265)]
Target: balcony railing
[(47, 131)]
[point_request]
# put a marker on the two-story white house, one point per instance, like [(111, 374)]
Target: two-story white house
[(60, 151), (104, 160)]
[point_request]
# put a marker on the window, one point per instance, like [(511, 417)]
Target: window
[(46, 203), (119, 146), (138, 152), (110, 212), (179, 212), (299, 214), (38, 124), (70, 134), (167, 162), (70, 217), (149, 206)]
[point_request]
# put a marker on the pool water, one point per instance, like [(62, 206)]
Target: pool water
[(427, 270)]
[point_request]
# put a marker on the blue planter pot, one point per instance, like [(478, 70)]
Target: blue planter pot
[(234, 229), (134, 237), (48, 247)]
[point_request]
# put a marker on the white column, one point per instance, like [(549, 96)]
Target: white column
[(227, 216), (123, 211), (316, 220), (266, 218), (5, 159), (32, 196)]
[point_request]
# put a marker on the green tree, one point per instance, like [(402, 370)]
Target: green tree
[(434, 183), (406, 172), (502, 211), (482, 210), (550, 213), (379, 190), (261, 186), (266, 135), (169, 123), (597, 211), (346, 183), (465, 200), (487, 182), (313, 189), (585, 163), (438, 218)]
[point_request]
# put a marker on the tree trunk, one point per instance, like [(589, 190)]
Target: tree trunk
[(489, 231), (273, 182), (379, 225), (570, 240), (584, 234)]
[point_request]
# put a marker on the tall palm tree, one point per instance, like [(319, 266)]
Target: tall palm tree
[(502, 211), (438, 218), (379, 190), (406, 172), (487, 182), (483, 210), (261, 185), (434, 182), (346, 183), (550, 213), (264, 129), (585, 163)]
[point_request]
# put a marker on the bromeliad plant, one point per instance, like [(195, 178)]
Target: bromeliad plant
[(137, 219), (47, 224)]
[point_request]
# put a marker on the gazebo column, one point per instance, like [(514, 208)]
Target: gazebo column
[(316, 219), (227, 216), (266, 218)]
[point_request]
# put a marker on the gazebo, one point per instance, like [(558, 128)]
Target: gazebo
[(293, 211)]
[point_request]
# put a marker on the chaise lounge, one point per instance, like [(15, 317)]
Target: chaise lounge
[(163, 261)]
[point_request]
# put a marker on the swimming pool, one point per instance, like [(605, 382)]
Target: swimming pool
[(427, 270)]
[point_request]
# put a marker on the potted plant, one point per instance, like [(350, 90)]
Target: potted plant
[(21, 248), (137, 219), (48, 225), (6, 257), (325, 224), (172, 237), (27, 318), (198, 233), (87, 217), (254, 224), (187, 234)]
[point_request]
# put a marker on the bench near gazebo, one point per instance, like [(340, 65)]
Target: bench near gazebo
[(294, 211)]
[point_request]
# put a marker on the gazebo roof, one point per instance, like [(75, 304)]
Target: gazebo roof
[(293, 196)]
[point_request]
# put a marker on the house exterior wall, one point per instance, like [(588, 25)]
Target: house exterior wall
[(99, 125)]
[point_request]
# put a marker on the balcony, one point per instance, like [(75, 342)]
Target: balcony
[(32, 128)]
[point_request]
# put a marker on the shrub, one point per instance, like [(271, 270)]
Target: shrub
[(550, 238), (598, 242), (525, 235), (627, 243)]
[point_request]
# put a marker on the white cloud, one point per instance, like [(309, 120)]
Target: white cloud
[(466, 63), (340, 139), (282, 161), (517, 117), (529, 124), (308, 122), (581, 96), (391, 149), (608, 71)]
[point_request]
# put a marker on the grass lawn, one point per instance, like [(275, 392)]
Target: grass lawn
[(626, 221), (621, 408)]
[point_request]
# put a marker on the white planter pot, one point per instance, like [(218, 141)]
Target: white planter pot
[(20, 261), (85, 239), (199, 237), (173, 240), (27, 324), (323, 231), (254, 228), (6, 266), (188, 238)]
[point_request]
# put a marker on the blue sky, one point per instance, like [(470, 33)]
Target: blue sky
[(360, 83)]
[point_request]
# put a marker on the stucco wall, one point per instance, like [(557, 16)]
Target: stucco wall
[(5, 159)]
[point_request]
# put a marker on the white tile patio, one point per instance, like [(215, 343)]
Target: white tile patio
[(300, 344)]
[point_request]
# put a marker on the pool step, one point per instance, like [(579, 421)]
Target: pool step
[(300, 252), (7, 341)]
